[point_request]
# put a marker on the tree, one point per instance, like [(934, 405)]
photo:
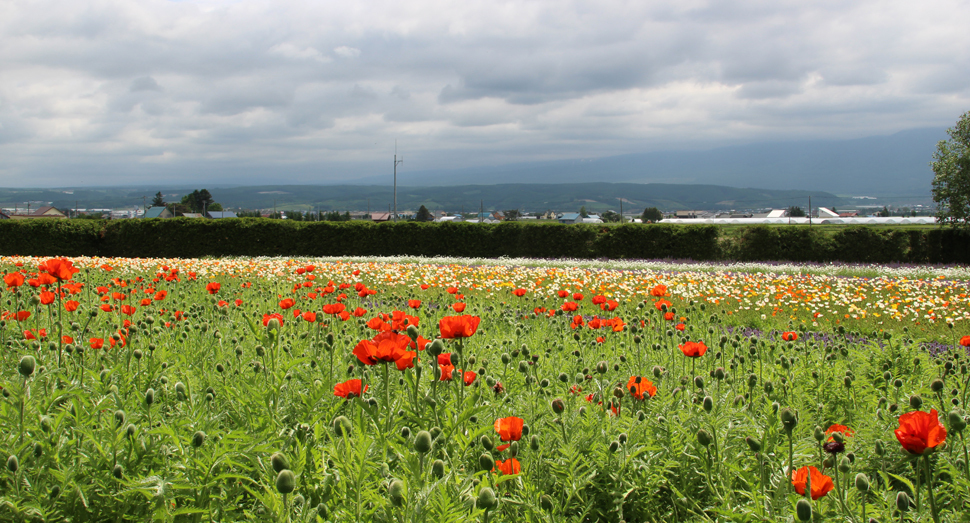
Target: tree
[(884, 213), (651, 215), (951, 184), (511, 215), (796, 212), (423, 215), (582, 212), (158, 200), (198, 201), (610, 217)]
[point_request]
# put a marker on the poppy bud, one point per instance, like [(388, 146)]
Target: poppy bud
[(55, 491), (486, 499), (769, 387), (45, 424), (412, 332), (485, 462), (819, 434), (708, 404), (657, 371), (915, 401), (130, 431), (618, 392), (546, 502), (435, 432), (396, 492), (956, 421), (936, 385), (534, 442), (828, 462), (438, 468), (699, 382), (180, 391), (788, 419), (436, 347), (342, 426), (844, 465), (13, 463), (117, 471), (753, 444), (752, 380), (614, 446), (422, 442), (119, 417), (285, 481), (704, 437), (622, 438), (558, 406), (862, 482), (26, 366), (803, 509), (149, 397), (719, 373), (514, 449), (198, 439), (279, 462), (903, 501), (838, 437), (879, 449)]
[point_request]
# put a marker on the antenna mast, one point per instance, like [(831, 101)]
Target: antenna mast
[(396, 161)]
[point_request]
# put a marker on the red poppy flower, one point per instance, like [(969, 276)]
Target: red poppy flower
[(349, 389), (71, 306), (222, 303), (594, 323), (469, 377), (107, 308), (378, 324), (47, 298), (160, 295), (458, 326), (267, 317), (509, 429), (519, 292), (14, 279), (238, 302), (213, 287), (578, 296), (600, 339), (680, 327), (96, 343), (400, 320), (569, 306), (127, 310), (659, 304), (821, 484), (145, 302), (425, 286), (334, 308), (599, 299), (287, 303), (452, 290), (420, 344), (66, 340), (638, 386), (659, 291), (33, 334), (563, 294), (459, 307), (414, 304), (965, 341), (846, 431), (509, 466), (920, 430), (693, 349), (387, 347), (610, 305), (446, 371), (310, 317), (789, 336), (61, 268)]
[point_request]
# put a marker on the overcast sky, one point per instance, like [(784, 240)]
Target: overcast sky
[(280, 91)]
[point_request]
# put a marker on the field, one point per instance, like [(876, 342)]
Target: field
[(480, 390)]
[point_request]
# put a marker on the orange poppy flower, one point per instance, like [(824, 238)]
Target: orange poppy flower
[(599, 299), (14, 279), (107, 308), (419, 344), (638, 386), (658, 291), (61, 268), (145, 302), (127, 310), (789, 336), (238, 303), (66, 340), (96, 343), (459, 307), (334, 308), (821, 484), (47, 298), (310, 317), (509, 466), (446, 370), (509, 429), (213, 287), (458, 326), (920, 430), (680, 327), (267, 317), (452, 290), (33, 334), (359, 311), (659, 304), (160, 295), (387, 347), (519, 292), (563, 294), (609, 305), (414, 304), (468, 377), (578, 296), (349, 389), (287, 303), (693, 349), (569, 306), (965, 341), (71, 306), (846, 431)]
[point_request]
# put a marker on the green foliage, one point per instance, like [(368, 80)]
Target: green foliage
[(158, 200), (423, 215), (610, 217), (651, 215), (198, 201), (52, 237), (796, 212), (511, 215), (951, 166)]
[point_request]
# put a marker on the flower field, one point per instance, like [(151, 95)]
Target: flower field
[(472, 390)]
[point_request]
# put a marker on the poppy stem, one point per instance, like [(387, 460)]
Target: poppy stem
[(929, 487)]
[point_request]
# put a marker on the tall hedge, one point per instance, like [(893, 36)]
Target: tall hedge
[(193, 238)]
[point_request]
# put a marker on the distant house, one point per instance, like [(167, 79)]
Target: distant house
[(380, 216), (686, 214), (824, 212), (218, 215), (570, 217), (449, 219), (158, 212), (46, 212), (4, 216), (192, 215)]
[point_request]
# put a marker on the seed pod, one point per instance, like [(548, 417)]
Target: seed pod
[(438, 468), (753, 444), (198, 439), (862, 482), (486, 499), (915, 401), (26, 366), (285, 481), (803, 509), (396, 492), (342, 426), (422, 442), (485, 462), (279, 462), (704, 437)]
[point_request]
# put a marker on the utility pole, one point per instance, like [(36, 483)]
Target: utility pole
[(396, 161), (809, 211), (621, 210), (481, 211)]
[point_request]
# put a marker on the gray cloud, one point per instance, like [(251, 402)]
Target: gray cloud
[(135, 88)]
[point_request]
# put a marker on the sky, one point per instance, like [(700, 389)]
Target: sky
[(120, 92)]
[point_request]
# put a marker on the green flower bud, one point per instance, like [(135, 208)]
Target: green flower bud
[(180, 391), (956, 421), (699, 382), (936, 385), (558, 406), (422, 442), (803, 509), (198, 439), (844, 465), (436, 347), (704, 437), (285, 481), (819, 433), (753, 444), (514, 449), (279, 462), (26, 366), (485, 462), (13, 463), (486, 499), (149, 397), (342, 426), (119, 417), (438, 468), (879, 448), (396, 492), (546, 502), (789, 419), (862, 482), (708, 404), (534, 442), (903, 501), (915, 401), (117, 472)]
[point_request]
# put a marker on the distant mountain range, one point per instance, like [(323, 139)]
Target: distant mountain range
[(896, 165)]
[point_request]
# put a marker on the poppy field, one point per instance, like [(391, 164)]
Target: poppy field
[(311, 390)]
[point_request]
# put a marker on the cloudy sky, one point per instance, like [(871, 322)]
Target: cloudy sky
[(287, 91)]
